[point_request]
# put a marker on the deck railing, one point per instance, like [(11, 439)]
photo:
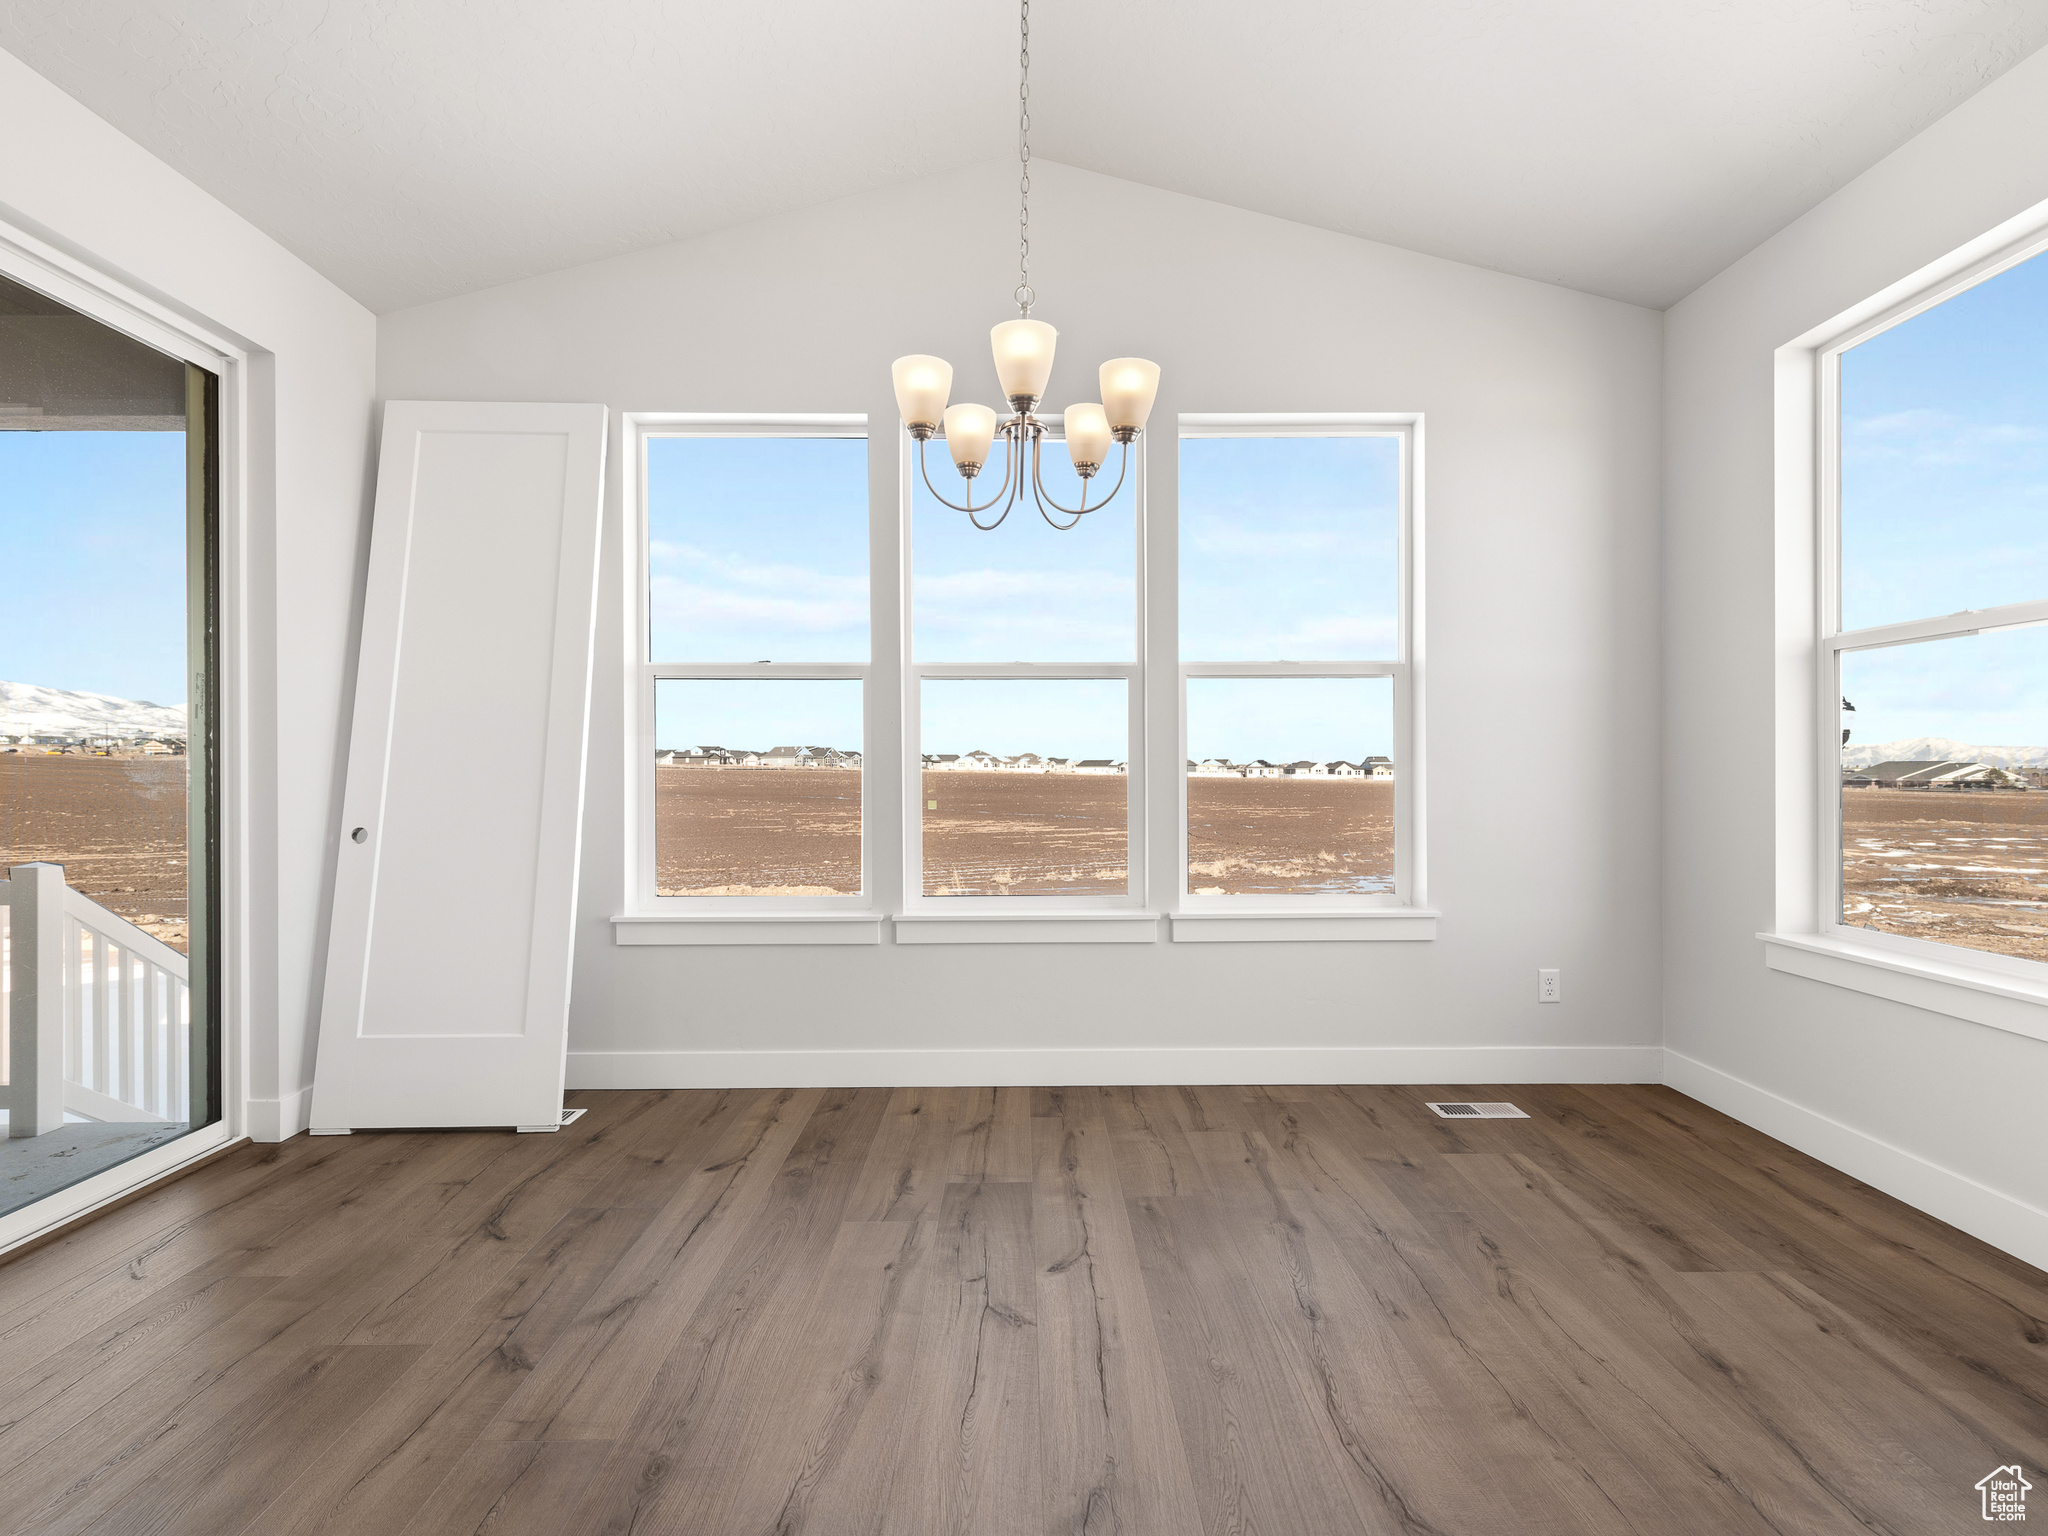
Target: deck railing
[(95, 1015)]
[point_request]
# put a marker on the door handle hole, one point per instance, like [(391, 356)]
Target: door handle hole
[(360, 835)]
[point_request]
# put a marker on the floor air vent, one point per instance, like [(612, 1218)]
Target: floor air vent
[(1478, 1112)]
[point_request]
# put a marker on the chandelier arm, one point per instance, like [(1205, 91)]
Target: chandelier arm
[(1038, 490), (1012, 481), (1038, 495), (970, 509)]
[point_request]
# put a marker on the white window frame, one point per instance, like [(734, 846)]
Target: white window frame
[(654, 919), (1832, 641), (1402, 913), (1809, 938), (893, 679), (1102, 917)]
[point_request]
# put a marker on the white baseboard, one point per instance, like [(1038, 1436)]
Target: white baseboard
[(280, 1119), (1998, 1219), (1056, 1068)]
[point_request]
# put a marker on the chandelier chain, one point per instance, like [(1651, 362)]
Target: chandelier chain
[(1025, 296)]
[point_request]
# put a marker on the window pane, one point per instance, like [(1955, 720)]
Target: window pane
[(1290, 548), (1945, 456), (1290, 785), (757, 788), (92, 686), (1944, 802), (757, 548), (1027, 591), (1025, 789)]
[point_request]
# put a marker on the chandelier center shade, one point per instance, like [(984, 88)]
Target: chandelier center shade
[(1023, 350)]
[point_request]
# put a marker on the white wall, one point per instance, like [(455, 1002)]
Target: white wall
[(1942, 1112), (69, 179), (1542, 410)]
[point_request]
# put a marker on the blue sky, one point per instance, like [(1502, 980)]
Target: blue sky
[(1289, 551), (1290, 548), (1945, 507), (1054, 717), (758, 548), (93, 529), (754, 716), (1286, 719), (1027, 591), (1982, 690)]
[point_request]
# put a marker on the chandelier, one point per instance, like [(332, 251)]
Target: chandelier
[(1023, 352)]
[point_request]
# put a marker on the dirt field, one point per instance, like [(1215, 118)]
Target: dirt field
[(1026, 834), (117, 825), (757, 831), (796, 832), (1955, 867), (1290, 836)]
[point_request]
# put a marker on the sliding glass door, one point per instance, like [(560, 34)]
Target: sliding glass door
[(109, 794)]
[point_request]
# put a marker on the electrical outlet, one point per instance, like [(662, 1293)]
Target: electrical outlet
[(1549, 987)]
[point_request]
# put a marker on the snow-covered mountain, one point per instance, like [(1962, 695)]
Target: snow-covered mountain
[(1941, 749), (26, 710)]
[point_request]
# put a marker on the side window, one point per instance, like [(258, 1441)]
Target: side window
[(754, 675), (1295, 662), (1938, 828)]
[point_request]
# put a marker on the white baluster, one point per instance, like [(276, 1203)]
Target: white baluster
[(103, 1077), (36, 1006), (150, 1017)]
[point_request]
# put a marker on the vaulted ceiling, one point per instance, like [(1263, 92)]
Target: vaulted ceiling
[(411, 149)]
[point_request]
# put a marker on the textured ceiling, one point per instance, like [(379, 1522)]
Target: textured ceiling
[(1626, 147)]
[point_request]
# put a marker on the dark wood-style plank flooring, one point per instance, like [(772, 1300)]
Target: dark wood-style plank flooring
[(1072, 1310)]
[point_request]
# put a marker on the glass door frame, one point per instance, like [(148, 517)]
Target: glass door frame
[(219, 842)]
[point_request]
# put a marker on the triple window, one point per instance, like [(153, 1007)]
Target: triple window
[(1007, 708)]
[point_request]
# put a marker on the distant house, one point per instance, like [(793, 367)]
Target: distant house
[(1213, 768), (1924, 774), (1025, 762), (942, 761), (161, 748), (1301, 769), (1098, 765), (1259, 768), (781, 757), (980, 759), (1337, 769), (1059, 765), (1378, 767), (664, 759)]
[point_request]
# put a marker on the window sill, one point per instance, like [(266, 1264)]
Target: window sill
[(1028, 928), (1961, 992), (1376, 923), (749, 928)]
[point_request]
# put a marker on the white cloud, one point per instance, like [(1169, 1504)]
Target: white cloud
[(709, 608), (1929, 439), (987, 586)]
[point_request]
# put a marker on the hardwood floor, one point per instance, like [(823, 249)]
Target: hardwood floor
[(1150, 1310)]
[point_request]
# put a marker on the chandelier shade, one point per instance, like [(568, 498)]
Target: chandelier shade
[(923, 385), (1023, 350), (970, 432), (1129, 386), (1087, 431)]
